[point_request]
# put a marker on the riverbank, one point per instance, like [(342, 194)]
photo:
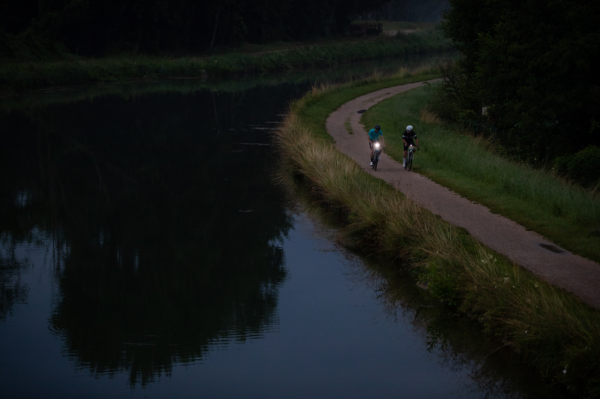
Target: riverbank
[(550, 328), (18, 76), (128, 89), (455, 337)]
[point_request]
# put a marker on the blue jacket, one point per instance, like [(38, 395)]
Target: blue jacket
[(374, 134)]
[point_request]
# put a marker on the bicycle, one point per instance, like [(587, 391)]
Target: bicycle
[(409, 160), (376, 154)]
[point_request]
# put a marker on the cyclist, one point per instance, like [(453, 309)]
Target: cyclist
[(409, 137), (374, 136)]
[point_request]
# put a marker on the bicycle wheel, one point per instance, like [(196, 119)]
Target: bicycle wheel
[(375, 163), (410, 161)]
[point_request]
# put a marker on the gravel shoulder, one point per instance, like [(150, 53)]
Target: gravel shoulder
[(528, 249)]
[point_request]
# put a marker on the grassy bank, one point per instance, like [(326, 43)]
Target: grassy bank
[(16, 76), (550, 328), (564, 213), (342, 73), (454, 338)]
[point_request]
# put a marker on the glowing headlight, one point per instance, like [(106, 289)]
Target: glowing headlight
[(376, 145)]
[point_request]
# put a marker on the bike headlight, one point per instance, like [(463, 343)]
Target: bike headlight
[(376, 145)]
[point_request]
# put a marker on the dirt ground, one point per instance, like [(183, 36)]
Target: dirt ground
[(526, 248)]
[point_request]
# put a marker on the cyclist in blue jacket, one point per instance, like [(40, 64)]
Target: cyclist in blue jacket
[(374, 136)]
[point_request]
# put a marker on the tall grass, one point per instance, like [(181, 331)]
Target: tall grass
[(565, 213), (26, 75), (550, 328), (429, 117)]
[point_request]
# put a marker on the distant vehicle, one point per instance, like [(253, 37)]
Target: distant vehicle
[(366, 29)]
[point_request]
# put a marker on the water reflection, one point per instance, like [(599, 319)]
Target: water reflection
[(456, 341), (163, 231), (12, 290)]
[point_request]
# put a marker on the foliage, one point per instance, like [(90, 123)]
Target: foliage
[(441, 281), (19, 76), (410, 10), (94, 27), (583, 167), (534, 66), (550, 328)]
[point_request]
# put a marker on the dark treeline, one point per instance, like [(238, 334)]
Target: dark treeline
[(534, 66), (94, 27), (409, 10)]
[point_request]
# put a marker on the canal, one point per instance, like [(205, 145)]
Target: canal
[(147, 252)]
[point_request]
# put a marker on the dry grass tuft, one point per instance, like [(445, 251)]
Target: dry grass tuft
[(322, 88), (430, 117)]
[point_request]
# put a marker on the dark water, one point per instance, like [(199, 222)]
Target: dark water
[(147, 252)]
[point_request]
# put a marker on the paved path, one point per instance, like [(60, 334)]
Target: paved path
[(571, 272)]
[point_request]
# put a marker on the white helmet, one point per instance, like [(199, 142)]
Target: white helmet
[(408, 128)]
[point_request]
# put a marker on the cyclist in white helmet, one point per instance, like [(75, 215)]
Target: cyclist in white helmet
[(409, 137)]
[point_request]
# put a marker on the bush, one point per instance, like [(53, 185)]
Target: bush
[(443, 105), (582, 168)]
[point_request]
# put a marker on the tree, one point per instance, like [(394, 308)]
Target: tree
[(94, 27), (534, 64)]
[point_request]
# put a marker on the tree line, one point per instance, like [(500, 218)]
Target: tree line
[(409, 10), (528, 73), (94, 27)]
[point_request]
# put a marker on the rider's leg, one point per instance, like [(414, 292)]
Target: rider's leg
[(405, 156)]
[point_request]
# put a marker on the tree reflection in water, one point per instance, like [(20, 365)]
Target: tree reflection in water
[(139, 200), (12, 290)]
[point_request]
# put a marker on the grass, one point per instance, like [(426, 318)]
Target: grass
[(15, 76), (562, 212), (549, 327)]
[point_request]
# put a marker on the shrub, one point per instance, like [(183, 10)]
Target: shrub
[(582, 168)]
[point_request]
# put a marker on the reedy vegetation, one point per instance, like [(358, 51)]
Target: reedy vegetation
[(27, 75), (551, 328)]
